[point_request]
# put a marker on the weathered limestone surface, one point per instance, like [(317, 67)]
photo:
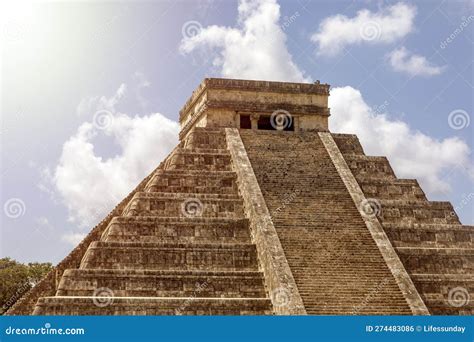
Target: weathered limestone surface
[(279, 278), (436, 250), (159, 256), (391, 258), (220, 103), (337, 266)]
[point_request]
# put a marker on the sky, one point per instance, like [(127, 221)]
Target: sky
[(90, 94)]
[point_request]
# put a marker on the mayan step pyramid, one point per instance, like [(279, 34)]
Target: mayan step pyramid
[(260, 210)]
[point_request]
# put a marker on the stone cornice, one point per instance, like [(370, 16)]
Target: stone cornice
[(267, 107), (249, 85)]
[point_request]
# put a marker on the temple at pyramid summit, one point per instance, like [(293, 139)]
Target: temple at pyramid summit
[(261, 210)]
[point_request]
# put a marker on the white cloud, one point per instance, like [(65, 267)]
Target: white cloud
[(90, 185), (44, 223), (142, 83), (415, 65), (385, 26), (256, 49), (73, 238), (411, 153), (88, 106)]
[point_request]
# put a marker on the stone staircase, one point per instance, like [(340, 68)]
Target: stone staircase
[(436, 250), (180, 247), (336, 264)]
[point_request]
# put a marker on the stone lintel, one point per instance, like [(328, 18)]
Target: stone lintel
[(279, 279), (394, 263)]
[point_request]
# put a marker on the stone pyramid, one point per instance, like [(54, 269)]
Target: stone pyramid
[(261, 210)]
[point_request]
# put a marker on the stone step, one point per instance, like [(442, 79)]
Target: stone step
[(311, 188), (443, 307), (193, 182), (434, 227), (369, 166), (203, 150), (437, 260), (426, 235), (169, 256), (184, 205), (438, 286), (159, 229), (443, 292), (404, 211), (360, 309), (445, 277), (151, 306), (348, 143), (205, 138), (135, 283), (358, 289), (323, 235), (407, 189), (186, 159)]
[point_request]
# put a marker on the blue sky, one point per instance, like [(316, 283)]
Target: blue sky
[(91, 94)]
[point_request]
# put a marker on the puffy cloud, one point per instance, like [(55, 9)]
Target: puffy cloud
[(96, 103), (142, 83), (385, 26), (411, 153), (415, 65), (91, 185), (256, 49), (43, 222), (73, 238)]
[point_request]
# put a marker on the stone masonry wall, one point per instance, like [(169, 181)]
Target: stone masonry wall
[(337, 266)]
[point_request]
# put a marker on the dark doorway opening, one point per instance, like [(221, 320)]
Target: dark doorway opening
[(245, 122), (265, 123)]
